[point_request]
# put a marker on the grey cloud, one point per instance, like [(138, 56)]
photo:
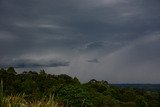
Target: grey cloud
[(95, 45), (80, 30), (93, 60), (31, 63)]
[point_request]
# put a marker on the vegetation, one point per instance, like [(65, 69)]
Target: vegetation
[(33, 89), (19, 101)]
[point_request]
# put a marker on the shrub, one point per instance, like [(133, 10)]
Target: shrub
[(74, 96)]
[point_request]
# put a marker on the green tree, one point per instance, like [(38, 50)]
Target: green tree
[(74, 96), (140, 102), (11, 71)]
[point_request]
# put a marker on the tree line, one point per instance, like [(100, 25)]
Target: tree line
[(71, 93)]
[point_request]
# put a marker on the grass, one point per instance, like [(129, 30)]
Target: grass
[(19, 101), (1, 94), (14, 101)]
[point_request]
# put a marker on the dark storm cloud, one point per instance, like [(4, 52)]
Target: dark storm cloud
[(80, 30), (30, 63), (94, 60), (36, 64)]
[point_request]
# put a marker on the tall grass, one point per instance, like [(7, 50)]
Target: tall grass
[(14, 101), (48, 102), (1, 94), (19, 101)]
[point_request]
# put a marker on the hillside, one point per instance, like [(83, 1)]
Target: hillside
[(69, 92)]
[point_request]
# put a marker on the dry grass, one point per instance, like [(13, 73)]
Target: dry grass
[(19, 101)]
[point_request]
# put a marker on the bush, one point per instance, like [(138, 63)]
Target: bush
[(74, 96)]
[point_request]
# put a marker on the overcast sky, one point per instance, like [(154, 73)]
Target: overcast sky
[(113, 40)]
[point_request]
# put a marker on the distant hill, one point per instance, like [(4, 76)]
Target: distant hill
[(151, 87)]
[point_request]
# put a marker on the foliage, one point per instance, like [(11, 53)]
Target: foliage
[(74, 96), (19, 101), (33, 89), (1, 94), (140, 102), (14, 101)]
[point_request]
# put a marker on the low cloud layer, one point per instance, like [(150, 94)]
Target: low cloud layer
[(115, 40), (93, 60), (35, 64), (31, 63)]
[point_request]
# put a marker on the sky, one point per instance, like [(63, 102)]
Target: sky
[(113, 40)]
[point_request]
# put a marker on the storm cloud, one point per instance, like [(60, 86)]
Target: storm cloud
[(63, 36), (30, 63), (93, 61)]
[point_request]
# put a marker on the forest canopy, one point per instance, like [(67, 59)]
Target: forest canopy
[(71, 92)]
